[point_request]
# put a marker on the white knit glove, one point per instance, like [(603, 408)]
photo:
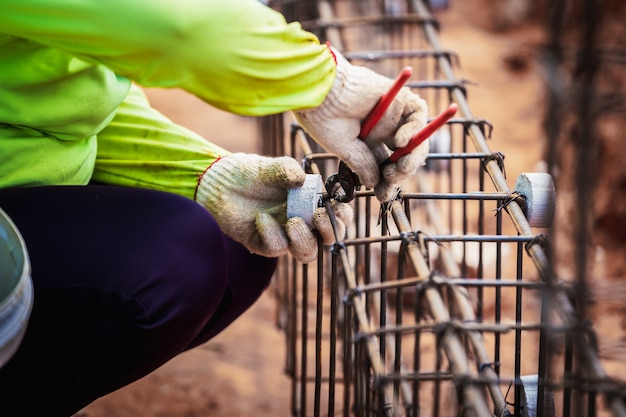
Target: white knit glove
[(247, 196), (336, 123)]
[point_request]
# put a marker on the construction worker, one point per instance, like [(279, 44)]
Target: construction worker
[(145, 239)]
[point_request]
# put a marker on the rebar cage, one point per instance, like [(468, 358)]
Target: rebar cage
[(443, 301)]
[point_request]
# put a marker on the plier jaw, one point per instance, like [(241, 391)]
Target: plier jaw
[(342, 185)]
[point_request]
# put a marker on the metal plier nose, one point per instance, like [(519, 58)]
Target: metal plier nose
[(342, 185)]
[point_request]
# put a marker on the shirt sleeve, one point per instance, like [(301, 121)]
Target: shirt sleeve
[(237, 55), (142, 148)]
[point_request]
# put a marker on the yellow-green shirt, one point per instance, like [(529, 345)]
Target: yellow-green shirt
[(67, 66)]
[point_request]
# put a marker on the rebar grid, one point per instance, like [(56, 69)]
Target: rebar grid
[(444, 318)]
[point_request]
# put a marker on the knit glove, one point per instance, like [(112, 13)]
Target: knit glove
[(336, 123), (247, 196)]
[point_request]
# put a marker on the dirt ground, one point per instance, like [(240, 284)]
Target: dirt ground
[(241, 371)]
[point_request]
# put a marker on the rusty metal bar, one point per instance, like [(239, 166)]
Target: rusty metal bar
[(458, 360)]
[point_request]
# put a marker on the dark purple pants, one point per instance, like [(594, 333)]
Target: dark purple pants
[(125, 279)]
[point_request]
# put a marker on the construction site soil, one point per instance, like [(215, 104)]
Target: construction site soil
[(240, 372)]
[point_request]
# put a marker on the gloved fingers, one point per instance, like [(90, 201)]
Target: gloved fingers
[(414, 116), (363, 162), (336, 129), (322, 224), (257, 177), (302, 241), (343, 212), (273, 238), (405, 132), (407, 115), (381, 152), (383, 191), (406, 167), (282, 172), (321, 221)]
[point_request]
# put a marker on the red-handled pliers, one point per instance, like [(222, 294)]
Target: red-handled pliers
[(345, 179)]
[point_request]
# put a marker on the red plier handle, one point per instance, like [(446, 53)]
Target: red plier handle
[(423, 134), (385, 101)]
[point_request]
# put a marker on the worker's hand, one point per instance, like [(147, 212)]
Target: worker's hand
[(247, 196), (336, 123)]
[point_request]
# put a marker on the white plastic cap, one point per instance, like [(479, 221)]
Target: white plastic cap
[(538, 190), (302, 202)]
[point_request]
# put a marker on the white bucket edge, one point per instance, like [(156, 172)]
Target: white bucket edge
[(16, 307)]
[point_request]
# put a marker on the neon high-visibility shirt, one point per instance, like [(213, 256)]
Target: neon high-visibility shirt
[(66, 67)]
